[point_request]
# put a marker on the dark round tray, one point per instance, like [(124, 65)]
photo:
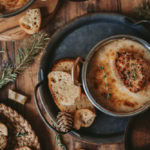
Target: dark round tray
[(77, 39)]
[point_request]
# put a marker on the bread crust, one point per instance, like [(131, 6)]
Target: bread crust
[(60, 61), (81, 102), (79, 119), (26, 29), (54, 94)]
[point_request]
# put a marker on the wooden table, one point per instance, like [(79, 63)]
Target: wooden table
[(26, 82)]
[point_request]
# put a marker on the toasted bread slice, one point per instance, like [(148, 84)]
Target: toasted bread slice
[(84, 103), (66, 65), (23, 148), (80, 103), (31, 21), (83, 118), (62, 88)]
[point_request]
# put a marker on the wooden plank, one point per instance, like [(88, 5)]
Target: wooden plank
[(128, 6), (10, 29)]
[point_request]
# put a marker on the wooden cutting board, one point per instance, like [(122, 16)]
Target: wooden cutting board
[(10, 29)]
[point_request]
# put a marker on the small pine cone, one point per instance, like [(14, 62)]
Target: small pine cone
[(64, 122)]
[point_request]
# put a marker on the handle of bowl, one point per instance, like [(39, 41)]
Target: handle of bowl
[(145, 23), (142, 22), (39, 109), (75, 72)]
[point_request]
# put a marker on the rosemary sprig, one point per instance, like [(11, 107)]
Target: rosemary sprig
[(143, 10), (7, 75), (25, 57)]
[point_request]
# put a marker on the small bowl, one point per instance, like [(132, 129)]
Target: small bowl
[(85, 70), (18, 11)]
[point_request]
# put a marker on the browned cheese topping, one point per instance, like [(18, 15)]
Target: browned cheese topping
[(132, 69)]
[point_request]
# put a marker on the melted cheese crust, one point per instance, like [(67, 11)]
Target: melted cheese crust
[(105, 83)]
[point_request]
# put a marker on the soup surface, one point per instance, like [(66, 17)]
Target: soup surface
[(119, 75), (11, 5)]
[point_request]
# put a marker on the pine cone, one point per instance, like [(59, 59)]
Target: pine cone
[(64, 122)]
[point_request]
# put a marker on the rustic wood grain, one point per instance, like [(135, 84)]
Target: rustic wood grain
[(10, 29), (128, 6), (26, 82)]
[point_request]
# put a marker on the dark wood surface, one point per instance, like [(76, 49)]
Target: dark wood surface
[(10, 29), (26, 82)]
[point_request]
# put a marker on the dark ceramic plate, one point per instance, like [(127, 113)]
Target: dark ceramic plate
[(137, 135), (77, 39)]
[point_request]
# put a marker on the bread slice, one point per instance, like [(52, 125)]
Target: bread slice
[(66, 65), (62, 88), (23, 148), (81, 102), (83, 118), (31, 21), (84, 103)]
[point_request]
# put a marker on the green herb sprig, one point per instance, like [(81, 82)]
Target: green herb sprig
[(25, 57)]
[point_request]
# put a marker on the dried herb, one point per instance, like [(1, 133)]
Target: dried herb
[(106, 84), (105, 76), (101, 67), (19, 134), (133, 72), (25, 57), (108, 96), (134, 76), (143, 10)]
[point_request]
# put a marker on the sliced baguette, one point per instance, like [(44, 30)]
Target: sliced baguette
[(62, 88), (83, 118), (82, 102), (66, 65), (31, 21)]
